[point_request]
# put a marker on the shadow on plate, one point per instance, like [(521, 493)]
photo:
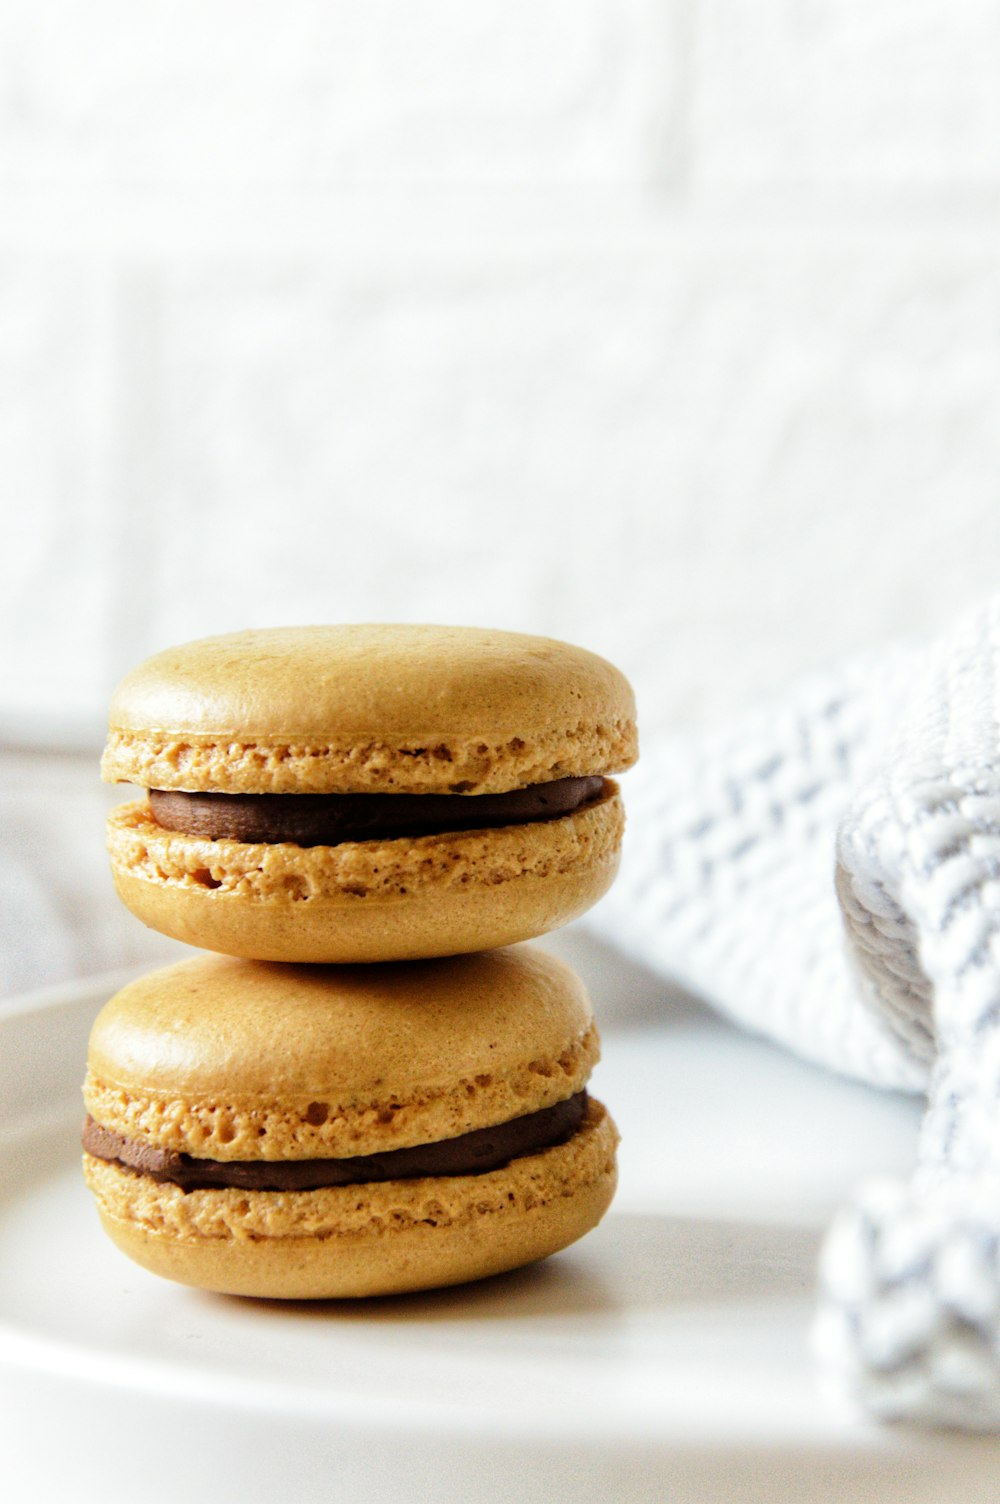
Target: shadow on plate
[(633, 1262)]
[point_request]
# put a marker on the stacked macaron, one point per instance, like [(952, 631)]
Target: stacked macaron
[(383, 1091)]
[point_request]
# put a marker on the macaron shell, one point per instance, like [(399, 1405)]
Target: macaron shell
[(226, 1059), (355, 1241), (367, 901), (353, 709)]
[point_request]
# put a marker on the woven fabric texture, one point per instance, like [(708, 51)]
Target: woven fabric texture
[(827, 872)]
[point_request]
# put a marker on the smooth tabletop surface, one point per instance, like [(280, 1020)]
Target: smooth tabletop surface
[(665, 1356)]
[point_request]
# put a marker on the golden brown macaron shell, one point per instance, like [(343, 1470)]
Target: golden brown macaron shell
[(355, 710), (365, 708), (234, 1061)]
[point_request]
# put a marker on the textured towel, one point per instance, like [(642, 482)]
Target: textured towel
[(828, 873)]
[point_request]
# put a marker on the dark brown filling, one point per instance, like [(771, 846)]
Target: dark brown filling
[(469, 1154), (328, 819)]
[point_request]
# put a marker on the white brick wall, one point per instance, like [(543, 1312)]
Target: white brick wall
[(835, 97), (57, 436), (318, 92), (672, 327)]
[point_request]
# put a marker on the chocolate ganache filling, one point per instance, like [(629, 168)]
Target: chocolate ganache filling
[(328, 819), (469, 1154)]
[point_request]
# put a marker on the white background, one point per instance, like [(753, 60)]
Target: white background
[(669, 327)]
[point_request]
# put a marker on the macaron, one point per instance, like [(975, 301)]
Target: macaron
[(302, 1132), (367, 793)]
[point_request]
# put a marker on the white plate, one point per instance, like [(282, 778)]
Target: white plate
[(665, 1356)]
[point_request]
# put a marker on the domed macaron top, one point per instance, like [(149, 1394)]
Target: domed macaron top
[(230, 1059), (364, 708)]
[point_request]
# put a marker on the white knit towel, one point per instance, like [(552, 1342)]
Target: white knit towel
[(828, 873)]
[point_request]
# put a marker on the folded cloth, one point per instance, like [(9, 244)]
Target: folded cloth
[(827, 872)]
